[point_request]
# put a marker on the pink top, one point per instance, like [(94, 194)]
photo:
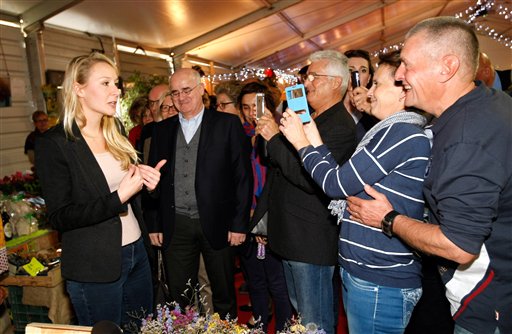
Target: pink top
[(114, 174)]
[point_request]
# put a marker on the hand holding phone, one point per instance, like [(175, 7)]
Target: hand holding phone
[(297, 101)]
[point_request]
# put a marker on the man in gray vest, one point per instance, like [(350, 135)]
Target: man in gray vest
[(205, 193)]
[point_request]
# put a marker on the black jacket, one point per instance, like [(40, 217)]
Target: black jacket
[(300, 227), (81, 207), (223, 181)]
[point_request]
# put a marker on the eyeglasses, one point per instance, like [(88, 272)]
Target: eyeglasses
[(166, 107), (43, 120), (312, 76), (223, 105), (185, 91), (152, 102)]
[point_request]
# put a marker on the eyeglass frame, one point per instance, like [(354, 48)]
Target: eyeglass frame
[(312, 76), (151, 102), (169, 107), (186, 91), (222, 105)]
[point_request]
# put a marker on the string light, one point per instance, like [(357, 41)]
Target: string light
[(283, 76), (481, 8), (387, 49)]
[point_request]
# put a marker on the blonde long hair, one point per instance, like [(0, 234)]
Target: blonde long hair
[(78, 71)]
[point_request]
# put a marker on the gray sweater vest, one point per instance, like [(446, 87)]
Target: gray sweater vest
[(185, 175)]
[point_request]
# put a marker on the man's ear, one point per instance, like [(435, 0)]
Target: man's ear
[(450, 65), (336, 83)]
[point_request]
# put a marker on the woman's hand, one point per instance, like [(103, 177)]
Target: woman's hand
[(131, 184), (261, 240), (293, 129), (312, 133), (150, 175), (359, 99)]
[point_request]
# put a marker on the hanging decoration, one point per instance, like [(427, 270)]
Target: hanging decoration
[(286, 77), (482, 8)]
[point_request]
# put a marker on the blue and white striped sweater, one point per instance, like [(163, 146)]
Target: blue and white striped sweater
[(394, 162)]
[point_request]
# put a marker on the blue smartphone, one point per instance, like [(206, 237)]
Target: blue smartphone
[(296, 97)]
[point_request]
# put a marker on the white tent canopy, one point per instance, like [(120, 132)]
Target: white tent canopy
[(260, 33)]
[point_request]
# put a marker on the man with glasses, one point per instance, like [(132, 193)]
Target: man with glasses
[(155, 98), (300, 227), (204, 198), (167, 109), (40, 120)]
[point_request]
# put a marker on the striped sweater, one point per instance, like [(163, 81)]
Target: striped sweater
[(394, 162)]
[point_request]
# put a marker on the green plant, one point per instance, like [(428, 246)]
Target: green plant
[(137, 85)]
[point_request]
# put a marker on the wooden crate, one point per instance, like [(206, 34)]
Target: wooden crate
[(54, 277), (34, 242)]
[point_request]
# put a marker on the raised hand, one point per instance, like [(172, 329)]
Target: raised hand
[(292, 128), (267, 126), (359, 99), (150, 175)]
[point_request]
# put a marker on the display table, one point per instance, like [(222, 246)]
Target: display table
[(42, 239), (37, 299)]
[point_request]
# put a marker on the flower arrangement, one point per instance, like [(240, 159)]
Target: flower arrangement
[(20, 182), (170, 319)]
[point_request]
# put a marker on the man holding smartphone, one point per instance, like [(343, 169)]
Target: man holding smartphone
[(300, 227)]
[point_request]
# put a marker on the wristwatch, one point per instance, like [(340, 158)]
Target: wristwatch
[(387, 223)]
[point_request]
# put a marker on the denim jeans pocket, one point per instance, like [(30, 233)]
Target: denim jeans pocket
[(361, 284), (410, 298)]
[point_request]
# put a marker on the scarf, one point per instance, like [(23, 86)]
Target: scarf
[(338, 206)]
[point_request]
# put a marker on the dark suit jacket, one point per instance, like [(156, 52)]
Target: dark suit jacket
[(223, 181), (300, 227), (82, 208)]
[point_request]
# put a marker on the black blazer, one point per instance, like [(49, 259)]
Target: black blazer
[(82, 208), (300, 227), (223, 181)]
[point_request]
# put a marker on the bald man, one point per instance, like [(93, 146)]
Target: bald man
[(486, 72)]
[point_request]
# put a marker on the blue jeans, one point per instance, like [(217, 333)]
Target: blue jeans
[(374, 308), (310, 289), (264, 276), (460, 330), (116, 301)]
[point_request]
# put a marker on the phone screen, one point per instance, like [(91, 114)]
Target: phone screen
[(354, 76), (260, 105)]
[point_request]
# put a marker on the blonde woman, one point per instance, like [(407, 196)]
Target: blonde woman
[(90, 181)]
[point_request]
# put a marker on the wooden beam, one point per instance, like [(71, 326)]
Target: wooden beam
[(34, 17), (233, 25)]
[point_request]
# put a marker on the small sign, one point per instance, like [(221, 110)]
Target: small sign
[(33, 267)]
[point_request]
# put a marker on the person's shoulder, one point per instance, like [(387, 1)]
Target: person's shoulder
[(221, 117), (55, 132)]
